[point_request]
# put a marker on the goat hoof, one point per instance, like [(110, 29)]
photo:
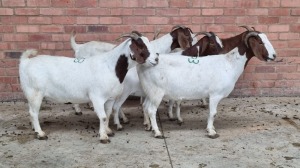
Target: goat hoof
[(120, 129), (39, 137), (125, 122), (104, 141), (159, 137), (172, 119), (180, 122), (213, 136), (78, 113), (111, 134), (148, 128)]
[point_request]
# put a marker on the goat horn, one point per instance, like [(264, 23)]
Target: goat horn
[(246, 27), (253, 28), (134, 35), (250, 34), (177, 27), (208, 34), (156, 33), (73, 33)]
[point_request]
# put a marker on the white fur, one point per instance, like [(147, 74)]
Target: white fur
[(177, 79), (63, 79)]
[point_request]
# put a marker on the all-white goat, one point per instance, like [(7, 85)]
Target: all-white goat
[(179, 37), (209, 44), (95, 79), (182, 78)]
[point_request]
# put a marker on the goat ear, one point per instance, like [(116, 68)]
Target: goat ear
[(203, 46), (183, 41)]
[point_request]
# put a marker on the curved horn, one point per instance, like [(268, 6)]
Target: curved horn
[(156, 33), (253, 28), (177, 27), (246, 27), (134, 35), (250, 34), (208, 34)]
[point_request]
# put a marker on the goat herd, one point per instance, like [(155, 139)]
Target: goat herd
[(105, 74)]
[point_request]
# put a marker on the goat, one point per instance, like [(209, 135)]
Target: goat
[(97, 79), (179, 37), (176, 77), (208, 44)]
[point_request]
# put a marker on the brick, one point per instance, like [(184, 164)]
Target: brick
[(288, 36), (279, 28), (189, 12), (157, 3), (6, 11), (12, 54), (287, 20), (15, 37), (279, 44), (225, 19), (27, 28), (295, 28), (264, 69), (130, 20), (12, 72), (120, 28), (290, 3), (13, 3), (202, 3), (133, 3), (51, 11), (64, 53), (157, 20), (6, 29), (62, 3), (286, 68), (98, 11), (27, 11), (121, 11), (279, 12), (52, 45), (225, 3), (39, 20), (110, 20), (40, 3), (247, 4), (76, 11), (294, 43), (268, 20), (100, 29), (287, 52), (247, 20), (78, 29), (212, 12), (5, 87), (269, 3), (25, 46), (16, 88), (295, 12), (63, 20), (179, 3), (4, 46), (61, 37), (234, 11), (110, 3), (148, 12), (87, 20), (144, 29), (8, 63), (86, 3), (39, 37), (180, 20), (258, 11), (51, 28), (14, 20), (214, 28), (203, 19), (167, 12)]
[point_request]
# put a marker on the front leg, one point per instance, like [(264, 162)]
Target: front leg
[(213, 104)]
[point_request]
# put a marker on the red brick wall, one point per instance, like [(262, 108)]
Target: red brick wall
[(46, 25)]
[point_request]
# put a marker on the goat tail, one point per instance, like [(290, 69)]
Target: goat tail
[(72, 40), (27, 53)]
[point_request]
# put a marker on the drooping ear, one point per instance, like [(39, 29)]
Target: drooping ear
[(204, 45), (183, 40), (136, 50)]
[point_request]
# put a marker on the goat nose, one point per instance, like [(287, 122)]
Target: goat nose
[(156, 59), (274, 55)]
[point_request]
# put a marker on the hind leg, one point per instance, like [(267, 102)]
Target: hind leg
[(108, 110), (213, 104), (34, 102)]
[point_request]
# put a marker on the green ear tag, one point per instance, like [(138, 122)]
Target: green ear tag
[(79, 60), (193, 60)]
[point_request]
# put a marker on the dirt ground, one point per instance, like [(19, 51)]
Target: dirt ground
[(254, 132)]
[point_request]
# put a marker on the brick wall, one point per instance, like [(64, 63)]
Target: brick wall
[(46, 25)]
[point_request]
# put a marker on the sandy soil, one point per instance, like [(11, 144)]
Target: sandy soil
[(254, 132)]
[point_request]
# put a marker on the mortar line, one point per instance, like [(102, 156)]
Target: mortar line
[(162, 131)]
